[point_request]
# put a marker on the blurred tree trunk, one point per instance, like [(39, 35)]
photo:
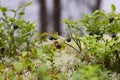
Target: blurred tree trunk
[(43, 16), (57, 15), (92, 5), (97, 6)]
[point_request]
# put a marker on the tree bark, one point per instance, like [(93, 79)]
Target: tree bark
[(57, 15), (43, 16), (97, 6)]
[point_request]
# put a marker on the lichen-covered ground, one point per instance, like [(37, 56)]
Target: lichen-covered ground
[(41, 65)]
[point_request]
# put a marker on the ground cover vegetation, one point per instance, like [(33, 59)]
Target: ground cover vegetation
[(27, 55)]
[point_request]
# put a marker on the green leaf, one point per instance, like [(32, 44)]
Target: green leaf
[(28, 4), (113, 8), (1, 77), (13, 10), (11, 75), (39, 52), (1, 24), (42, 68), (20, 7), (2, 66), (24, 53), (12, 19), (3, 9), (11, 32), (21, 13), (18, 66), (95, 12)]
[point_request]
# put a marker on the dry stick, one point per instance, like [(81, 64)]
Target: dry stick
[(78, 42), (117, 55), (74, 48)]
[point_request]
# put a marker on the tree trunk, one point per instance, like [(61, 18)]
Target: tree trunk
[(43, 16), (57, 15), (97, 6)]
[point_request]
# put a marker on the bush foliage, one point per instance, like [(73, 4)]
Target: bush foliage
[(25, 55)]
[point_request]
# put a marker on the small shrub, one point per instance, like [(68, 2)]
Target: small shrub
[(98, 48), (15, 32)]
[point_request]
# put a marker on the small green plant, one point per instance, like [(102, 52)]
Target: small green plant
[(89, 72), (15, 32), (95, 48), (52, 58)]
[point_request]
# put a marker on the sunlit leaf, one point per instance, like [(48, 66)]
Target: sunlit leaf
[(3, 9), (28, 4), (24, 53), (113, 8)]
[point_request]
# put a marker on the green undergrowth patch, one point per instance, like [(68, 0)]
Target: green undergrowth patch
[(27, 55)]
